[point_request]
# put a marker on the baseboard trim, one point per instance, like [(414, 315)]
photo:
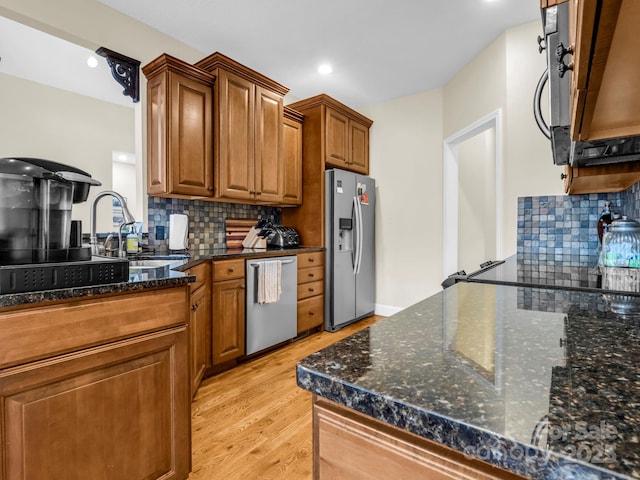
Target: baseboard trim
[(386, 310)]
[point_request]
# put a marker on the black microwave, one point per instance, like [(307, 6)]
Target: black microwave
[(565, 151)]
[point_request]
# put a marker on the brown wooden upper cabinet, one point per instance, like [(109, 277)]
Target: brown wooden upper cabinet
[(292, 153), (247, 131), (605, 98), (606, 72), (345, 132), (179, 125)]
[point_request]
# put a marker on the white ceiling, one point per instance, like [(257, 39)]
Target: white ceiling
[(379, 49)]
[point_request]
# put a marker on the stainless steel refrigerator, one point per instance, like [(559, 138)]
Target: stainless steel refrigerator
[(350, 241)]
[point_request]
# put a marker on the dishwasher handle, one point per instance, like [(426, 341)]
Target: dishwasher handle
[(257, 264)]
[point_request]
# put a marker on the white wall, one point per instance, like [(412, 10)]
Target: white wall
[(92, 24), (406, 161), (476, 200), (50, 123), (528, 164)]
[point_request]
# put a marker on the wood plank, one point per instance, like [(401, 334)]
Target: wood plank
[(254, 421)]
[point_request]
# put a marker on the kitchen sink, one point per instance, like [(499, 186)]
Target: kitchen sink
[(156, 263)]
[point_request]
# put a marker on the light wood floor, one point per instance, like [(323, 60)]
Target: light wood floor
[(254, 422)]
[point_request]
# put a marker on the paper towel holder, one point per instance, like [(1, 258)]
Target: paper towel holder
[(178, 232)]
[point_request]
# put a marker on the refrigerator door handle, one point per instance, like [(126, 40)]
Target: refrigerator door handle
[(360, 233), (356, 249)]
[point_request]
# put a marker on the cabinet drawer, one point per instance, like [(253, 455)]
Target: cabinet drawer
[(310, 313), (313, 274), (311, 289), (202, 273), (313, 259), (35, 333), (228, 269)]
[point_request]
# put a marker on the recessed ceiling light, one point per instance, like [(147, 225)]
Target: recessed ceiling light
[(92, 62), (325, 69)]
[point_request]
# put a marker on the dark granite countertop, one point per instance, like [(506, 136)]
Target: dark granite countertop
[(544, 383), (141, 279), (231, 253), (515, 272)]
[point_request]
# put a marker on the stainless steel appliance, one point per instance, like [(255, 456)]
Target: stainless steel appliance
[(271, 322), (282, 237), (40, 246), (35, 210), (350, 242), (565, 151)]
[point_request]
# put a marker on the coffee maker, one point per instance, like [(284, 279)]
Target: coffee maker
[(40, 246)]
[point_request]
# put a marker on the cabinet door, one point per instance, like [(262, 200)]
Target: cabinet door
[(235, 137), (157, 135), (358, 148), (269, 166), (116, 411), (337, 139), (228, 320), (200, 332), (191, 148), (292, 159)]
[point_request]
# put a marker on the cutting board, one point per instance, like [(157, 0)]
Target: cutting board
[(236, 229)]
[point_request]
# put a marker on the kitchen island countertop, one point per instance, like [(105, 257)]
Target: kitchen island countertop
[(543, 383)]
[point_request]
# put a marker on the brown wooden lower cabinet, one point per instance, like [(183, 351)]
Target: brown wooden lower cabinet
[(228, 311), (347, 444), (200, 334), (200, 324), (310, 291), (117, 410), (310, 313)]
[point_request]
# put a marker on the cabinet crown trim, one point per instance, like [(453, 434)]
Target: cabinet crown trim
[(166, 63), (218, 60), (292, 114), (326, 100)]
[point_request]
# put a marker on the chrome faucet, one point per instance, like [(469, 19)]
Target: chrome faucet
[(127, 219)]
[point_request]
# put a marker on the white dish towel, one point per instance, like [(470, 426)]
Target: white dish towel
[(269, 281)]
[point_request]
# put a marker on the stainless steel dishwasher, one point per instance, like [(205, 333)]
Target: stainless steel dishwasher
[(271, 323)]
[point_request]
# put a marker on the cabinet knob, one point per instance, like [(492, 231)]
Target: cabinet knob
[(230, 270), (542, 45), (563, 176), (311, 275), (311, 260), (311, 314), (562, 51), (563, 68), (311, 290)]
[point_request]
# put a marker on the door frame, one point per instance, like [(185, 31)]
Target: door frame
[(450, 191)]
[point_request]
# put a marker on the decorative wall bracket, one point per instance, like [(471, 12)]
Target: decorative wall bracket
[(125, 70)]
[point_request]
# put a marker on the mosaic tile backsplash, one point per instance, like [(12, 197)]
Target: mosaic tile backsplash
[(206, 220), (561, 230)]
